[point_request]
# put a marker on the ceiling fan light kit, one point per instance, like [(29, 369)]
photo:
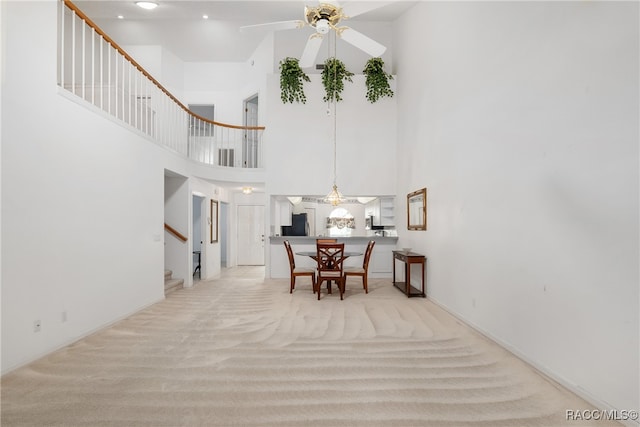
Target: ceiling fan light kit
[(322, 26), (323, 18)]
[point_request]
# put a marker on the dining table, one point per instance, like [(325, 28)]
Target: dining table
[(314, 256)]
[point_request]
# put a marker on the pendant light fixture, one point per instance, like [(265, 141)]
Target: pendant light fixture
[(334, 197)]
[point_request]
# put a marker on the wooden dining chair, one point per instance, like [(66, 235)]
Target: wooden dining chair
[(361, 271), (326, 241), (330, 258), (298, 271)]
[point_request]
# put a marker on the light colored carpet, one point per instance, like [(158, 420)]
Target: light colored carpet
[(242, 351)]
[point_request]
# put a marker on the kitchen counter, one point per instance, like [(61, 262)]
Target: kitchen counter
[(380, 264), (278, 240)]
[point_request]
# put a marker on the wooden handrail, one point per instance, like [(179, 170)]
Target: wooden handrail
[(109, 40), (175, 232)]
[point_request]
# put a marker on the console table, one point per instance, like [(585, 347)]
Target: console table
[(409, 258)]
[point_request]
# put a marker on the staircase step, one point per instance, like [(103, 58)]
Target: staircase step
[(171, 285)]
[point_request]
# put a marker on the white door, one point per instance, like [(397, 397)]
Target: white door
[(250, 235)]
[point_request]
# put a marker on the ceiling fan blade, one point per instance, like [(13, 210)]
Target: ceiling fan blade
[(274, 26), (361, 41), (355, 8), (310, 50)]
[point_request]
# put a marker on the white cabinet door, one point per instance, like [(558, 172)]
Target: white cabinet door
[(285, 213), (381, 263)]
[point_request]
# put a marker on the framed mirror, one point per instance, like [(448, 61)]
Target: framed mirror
[(214, 221), (417, 210)]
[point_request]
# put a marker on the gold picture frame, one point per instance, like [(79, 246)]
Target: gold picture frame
[(214, 221), (417, 210)]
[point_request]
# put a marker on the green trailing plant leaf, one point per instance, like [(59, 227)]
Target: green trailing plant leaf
[(334, 75), (292, 80), (377, 80)]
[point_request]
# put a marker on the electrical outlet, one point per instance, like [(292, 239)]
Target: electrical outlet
[(36, 326)]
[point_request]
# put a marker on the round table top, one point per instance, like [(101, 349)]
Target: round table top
[(314, 253)]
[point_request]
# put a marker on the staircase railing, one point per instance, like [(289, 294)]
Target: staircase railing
[(93, 67), (175, 232)]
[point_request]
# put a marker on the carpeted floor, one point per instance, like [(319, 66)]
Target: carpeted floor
[(241, 351)]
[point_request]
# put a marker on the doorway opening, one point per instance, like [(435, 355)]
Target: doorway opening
[(224, 234), (198, 236), (250, 146)]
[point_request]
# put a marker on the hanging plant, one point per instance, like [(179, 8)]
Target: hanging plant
[(334, 74), (377, 80), (291, 81)]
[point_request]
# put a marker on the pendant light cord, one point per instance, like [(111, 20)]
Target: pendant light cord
[(335, 111)]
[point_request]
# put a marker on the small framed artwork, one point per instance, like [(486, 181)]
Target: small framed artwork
[(214, 221)]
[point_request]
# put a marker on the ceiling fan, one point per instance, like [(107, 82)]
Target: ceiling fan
[(325, 17)]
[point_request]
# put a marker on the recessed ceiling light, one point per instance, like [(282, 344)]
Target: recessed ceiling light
[(147, 4), (120, 17), (205, 16)]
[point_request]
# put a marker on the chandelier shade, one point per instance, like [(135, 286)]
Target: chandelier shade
[(334, 197)]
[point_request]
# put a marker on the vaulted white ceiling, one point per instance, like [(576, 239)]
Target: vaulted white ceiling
[(179, 26)]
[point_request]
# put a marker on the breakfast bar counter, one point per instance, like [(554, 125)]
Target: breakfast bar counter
[(278, 240), (380, 265)]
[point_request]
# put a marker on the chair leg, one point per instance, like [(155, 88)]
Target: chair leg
[(341, 287), (319, 286), (364, 283), (293, 284)]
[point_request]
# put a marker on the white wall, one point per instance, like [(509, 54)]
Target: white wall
[(82, 202), (219, 84), (299, 160), (521, 119), (300, 141), (227, 85), (162, 64)]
